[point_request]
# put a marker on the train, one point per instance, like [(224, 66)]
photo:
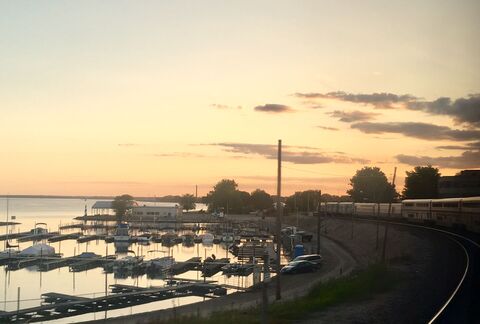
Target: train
[(463, 213)]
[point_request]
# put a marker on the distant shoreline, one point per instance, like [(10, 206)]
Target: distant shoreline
[(158, 199)]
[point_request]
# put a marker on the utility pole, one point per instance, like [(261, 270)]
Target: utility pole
[(319, 225), (278, 291), (389, 214), (378, 220), (265, 290)]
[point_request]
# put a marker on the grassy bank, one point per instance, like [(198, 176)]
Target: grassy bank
[(358, 286)]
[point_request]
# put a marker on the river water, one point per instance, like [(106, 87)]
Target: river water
[(32, 283)]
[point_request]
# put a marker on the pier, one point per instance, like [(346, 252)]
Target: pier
[(58, 305), (63, 237), (190, 264)]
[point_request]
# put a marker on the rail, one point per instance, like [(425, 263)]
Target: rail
[(447, 234)]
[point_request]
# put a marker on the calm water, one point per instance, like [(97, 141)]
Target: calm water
[(91, 283)]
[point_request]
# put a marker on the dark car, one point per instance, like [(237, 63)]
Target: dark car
[(299, 267), (314, 258)]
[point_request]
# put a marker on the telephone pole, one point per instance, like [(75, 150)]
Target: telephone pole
[(389, 214), (278, 291)]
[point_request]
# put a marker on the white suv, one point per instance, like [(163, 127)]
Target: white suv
[(314, 258)]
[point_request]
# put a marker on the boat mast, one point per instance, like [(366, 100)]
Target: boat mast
[(6, 229)]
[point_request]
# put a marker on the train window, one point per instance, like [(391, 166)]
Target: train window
[(451, 205), (408, 204), (471, 204), (437, 205), (421, 204)]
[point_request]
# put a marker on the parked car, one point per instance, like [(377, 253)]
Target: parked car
[(314, 258), (295, 267)]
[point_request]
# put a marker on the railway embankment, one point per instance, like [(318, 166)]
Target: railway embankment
[(430, 264)]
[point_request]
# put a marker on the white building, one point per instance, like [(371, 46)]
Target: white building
[(157, 213)]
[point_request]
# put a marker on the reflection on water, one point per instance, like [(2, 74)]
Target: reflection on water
[(31, 284)]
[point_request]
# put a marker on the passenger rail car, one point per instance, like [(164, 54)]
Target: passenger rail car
[(449, 212)]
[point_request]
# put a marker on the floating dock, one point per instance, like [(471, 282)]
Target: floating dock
[(36, 237), (88, 238), (181, 267), (60, 305), (212, 267), (63, 237)]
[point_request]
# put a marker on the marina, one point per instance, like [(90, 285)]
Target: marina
[(86, 259)]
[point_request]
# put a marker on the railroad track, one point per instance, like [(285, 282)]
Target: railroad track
[(463, 304)]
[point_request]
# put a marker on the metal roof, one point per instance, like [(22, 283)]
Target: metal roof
[(103, 204)]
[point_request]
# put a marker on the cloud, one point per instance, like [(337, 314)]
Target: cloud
[(128, 144), (327, 128), (352, 116), (462, 110), (180, 154), (220, 106), (418, 130), (468, 159), (274, 108), (468, 146), (378, 100), (289, 153)]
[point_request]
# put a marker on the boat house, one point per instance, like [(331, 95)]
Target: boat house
[(157, 213)]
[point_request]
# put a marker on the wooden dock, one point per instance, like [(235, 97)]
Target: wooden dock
[(63, 237), (88, 238), (36, 237), (182, 267), (212, 267), (58, 305)]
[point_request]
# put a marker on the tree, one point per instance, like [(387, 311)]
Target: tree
[(121, 204), (421, 182), (188, 202), (225, 195), (261, 200), (371, 185), (304, 201)]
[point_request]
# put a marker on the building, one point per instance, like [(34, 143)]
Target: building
[(157, 213), (102, 208), (463, 184)]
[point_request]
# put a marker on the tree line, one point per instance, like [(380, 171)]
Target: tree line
[(369, 184)]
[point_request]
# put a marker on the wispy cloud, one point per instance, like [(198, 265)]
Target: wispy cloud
[(378, 100), (418, 130), (468, 159), (293, 154), (352, 116), (180, 154), (225, 107), (468, 146), (274, 108), (128, 144), (327, 128)]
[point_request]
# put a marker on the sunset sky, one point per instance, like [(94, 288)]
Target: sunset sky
[(153, 97)]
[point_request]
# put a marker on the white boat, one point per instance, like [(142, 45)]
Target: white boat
[(160, 264), (38, 250), (122, 233), (228, 238), (207, 238), (144, 237), (127, 263)]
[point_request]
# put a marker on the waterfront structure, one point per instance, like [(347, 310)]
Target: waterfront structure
[(102, 207), (463, 184), (157, 212)]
